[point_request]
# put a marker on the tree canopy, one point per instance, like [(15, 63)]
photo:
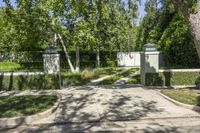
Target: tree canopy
[(102, 25)]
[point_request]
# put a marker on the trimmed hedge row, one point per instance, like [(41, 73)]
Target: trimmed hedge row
[(40, 82), (34, 60), (36, 82), (171, 78)]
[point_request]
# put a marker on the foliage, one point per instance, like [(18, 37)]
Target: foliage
[(100, 72), (46, 82), (188, 96), (177, 44), (113, 79), (166, 27), (31, 82), (154, 79), (129, 71), (9, 66), (134, 80), (24, 27), (85, 76), (197, 83), (13, 106), (171, 78), (73, 79), (84, 25), (20, 67)]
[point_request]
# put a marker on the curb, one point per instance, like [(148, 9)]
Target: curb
[(8, 123), (187, 106), (171, 87)]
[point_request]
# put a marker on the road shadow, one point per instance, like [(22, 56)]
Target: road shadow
[(87, 111)]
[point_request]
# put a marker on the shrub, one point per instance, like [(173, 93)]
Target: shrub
[(197, 83), (111, 63), (87, 75), (171, 78), (22, 82), (111, 80), (9, 66), (134, 80)]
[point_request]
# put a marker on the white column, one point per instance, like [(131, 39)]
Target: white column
[(149, 64), (51, 63)]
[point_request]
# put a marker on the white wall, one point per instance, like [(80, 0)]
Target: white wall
[(128, 59)]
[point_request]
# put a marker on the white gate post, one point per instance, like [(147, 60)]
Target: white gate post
[(51, 61), (149, 61)]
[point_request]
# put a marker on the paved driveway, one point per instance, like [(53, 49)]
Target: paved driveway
[(117, 108)]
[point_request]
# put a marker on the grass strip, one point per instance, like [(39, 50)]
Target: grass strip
[(187, 96), (12, 106)]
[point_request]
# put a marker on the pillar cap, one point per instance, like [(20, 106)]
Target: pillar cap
[(149, 47), (51, 50)]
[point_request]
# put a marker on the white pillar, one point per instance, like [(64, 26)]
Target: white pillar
[(51, 63), (149, 64)]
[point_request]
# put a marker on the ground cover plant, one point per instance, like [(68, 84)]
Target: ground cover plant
[(171, 78), (187, 96), (12, 106), (113, 79), (134, 80), (85, 76)]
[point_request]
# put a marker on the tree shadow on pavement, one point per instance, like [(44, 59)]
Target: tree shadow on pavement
[(88, 111)]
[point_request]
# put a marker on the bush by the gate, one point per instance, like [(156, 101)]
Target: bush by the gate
[(171, 78), (27, 82)]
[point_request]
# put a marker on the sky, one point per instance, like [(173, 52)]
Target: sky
[(141, 7)]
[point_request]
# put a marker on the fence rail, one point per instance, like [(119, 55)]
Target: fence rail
[(179, 70), (20, 73)]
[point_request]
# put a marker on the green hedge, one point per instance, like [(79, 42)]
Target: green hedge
[(171, 78), (9, 66), (40, 82), (34, 60), (35, 82)]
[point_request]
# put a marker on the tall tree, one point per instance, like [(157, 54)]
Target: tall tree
[(192, 18), (166, 27)]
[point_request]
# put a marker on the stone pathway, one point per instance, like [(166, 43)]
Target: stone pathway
[(114, 109), (123, 80), (97, 81)]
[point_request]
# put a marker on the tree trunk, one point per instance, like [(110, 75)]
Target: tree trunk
[(193, 21), (66, 54), (77, 59), (97, 56)]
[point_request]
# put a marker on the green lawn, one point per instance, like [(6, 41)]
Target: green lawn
[(187, 96), (113, 79), (11, 106), (19, 67)]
